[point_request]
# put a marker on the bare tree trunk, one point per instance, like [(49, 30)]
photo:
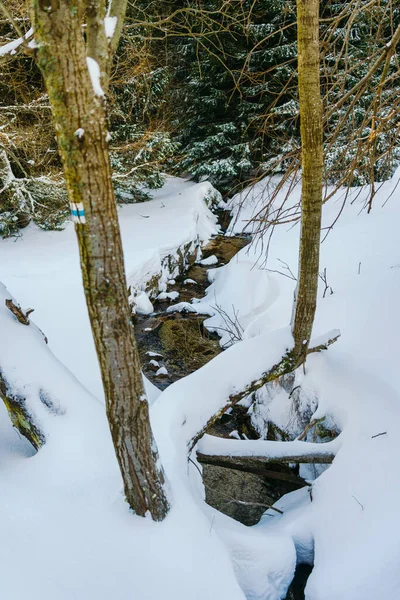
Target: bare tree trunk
[(312, 171), (80, 119)]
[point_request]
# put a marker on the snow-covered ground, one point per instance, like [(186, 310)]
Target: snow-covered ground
[(42, 268), (66, 531), (351, 525)]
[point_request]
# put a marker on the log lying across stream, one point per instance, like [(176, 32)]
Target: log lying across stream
[(254, 456), (243, 478)]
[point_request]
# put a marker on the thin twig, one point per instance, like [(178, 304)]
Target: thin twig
[(358, 502), (378, 434), (312, 424)]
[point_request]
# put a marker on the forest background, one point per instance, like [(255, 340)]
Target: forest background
[(208, 90)]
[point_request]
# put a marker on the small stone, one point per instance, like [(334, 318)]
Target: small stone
[(162, 372), (210, 260), (154, 365)]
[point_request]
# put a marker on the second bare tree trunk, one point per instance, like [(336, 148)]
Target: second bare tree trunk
[(312, 172)]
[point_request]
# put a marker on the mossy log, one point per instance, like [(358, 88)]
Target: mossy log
[(20, 416), (18, 407)]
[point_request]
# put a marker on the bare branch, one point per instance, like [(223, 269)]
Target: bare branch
[(385, 56), (23, 317), (11, 19), (9, 51), (312, 424), (335, 335)]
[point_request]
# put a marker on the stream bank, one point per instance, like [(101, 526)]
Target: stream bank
[(173, 344)]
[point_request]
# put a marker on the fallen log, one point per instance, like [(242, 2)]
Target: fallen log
[(27, 402), (259, 462), (278, 453), (287, 364), (256, 467), (257, 454)]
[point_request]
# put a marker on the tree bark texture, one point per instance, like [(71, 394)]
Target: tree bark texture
[(81, 125), (312, 171)]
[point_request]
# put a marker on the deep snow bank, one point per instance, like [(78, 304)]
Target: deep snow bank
[(66, 530), (351, 524)]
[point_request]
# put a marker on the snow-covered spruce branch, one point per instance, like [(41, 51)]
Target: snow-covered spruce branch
[(287, 364)]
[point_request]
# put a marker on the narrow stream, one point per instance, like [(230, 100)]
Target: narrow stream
[(178, 343)]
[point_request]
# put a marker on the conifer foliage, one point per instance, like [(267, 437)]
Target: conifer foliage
[(208, 89), (224, 85), (362, 134)]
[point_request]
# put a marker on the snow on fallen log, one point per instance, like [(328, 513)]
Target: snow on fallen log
[(223, 451), (41, 396), (286, 364)]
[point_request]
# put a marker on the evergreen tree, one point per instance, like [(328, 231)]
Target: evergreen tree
[(141, 141), (223, 85), (234, 96)]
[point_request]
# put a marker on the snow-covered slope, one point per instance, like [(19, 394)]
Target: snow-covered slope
[(42, 268), (351, 525), (66, 531)]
